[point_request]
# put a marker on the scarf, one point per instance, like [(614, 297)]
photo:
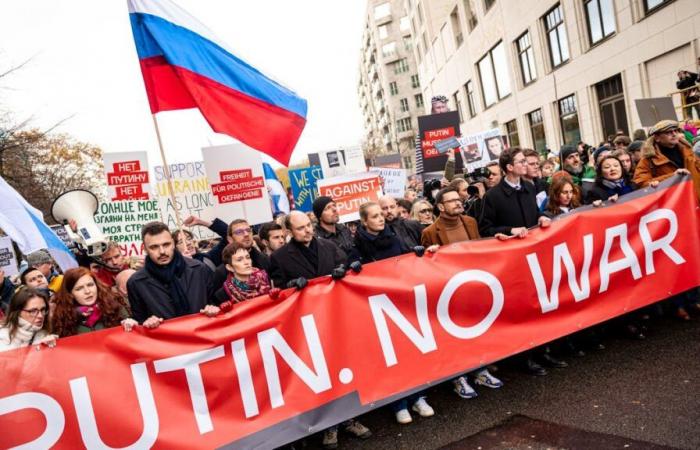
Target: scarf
[(90, 315), (25, 332), (616, 187), (258, 284), (169, 276), (384, 245)]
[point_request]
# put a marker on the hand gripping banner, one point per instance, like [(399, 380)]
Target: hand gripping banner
[(274, 370)]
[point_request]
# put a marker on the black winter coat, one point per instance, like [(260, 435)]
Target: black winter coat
[(408, 230), (369, 248), (506, 208), (288, 263), (148, 297)]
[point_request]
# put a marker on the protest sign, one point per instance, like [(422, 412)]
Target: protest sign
[(479, 149), (60, 231), (339, 162), (394, 180), (273, 370), (127, 175), (121, 222), (8, 259), (435, 128), (192, 195), (303, 183), (350, 191), (237, 182)]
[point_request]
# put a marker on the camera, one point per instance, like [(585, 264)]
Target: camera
[(430, 188), (480, 175)]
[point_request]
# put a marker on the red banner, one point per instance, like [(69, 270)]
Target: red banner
[(273, 370)]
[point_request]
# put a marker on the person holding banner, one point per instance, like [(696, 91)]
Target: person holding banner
[(408, 230), (243, 281), (169, 285), (26, 322), (422, 212), (329, 226), (84, 304)]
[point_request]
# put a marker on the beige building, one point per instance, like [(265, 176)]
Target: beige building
[(550, 72), (389, 88)]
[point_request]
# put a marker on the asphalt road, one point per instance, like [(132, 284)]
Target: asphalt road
[(631, 393)]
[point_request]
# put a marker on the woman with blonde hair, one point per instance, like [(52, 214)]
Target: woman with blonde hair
[(422, 211)]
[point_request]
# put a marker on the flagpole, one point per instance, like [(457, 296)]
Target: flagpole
[(166, 170)]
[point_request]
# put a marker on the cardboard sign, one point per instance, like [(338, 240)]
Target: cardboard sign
[(8, 259), (350, 191), (339, 162), (127, 176), (652, 110), (394, 180), (479, 149), (303, 183), (121, 222), (192, 195), (432, 129), (237, 182)]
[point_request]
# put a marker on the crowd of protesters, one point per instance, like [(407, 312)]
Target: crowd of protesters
[(504, 200)]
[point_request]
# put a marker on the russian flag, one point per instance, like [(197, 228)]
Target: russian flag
[(184, 66)]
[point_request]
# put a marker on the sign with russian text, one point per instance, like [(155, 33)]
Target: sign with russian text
[(303, 184), (272, 370), (121, 222), (393, 180), (237, 183), (435, 128), (349, 192), (127, 175), (8, 259), (192, 195)]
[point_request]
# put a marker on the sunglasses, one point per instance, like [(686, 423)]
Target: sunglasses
[(425, 211)]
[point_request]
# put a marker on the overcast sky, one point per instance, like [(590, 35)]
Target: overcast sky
[(84, 65)]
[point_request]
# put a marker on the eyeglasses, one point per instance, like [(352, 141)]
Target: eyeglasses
[(35, 311), (242, 231), (425, 211), (522, 161)]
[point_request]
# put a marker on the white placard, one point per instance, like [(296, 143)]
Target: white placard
[(237, 182), (8, 259), (479, 149), (339, 162), (127, 176), (394, 180)]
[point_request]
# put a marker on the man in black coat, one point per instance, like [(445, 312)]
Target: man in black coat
[(169, 285), (408, 230), (305, 255)]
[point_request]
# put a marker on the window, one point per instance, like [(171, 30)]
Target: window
[(472, 21), (401, 66), (404, 105), (407, 162), (537, 130), (611, 101), (493, 72), (381, 11), (383, 31), (419, 100), (458, 105), (393, 88), (488, 4), (415, 81), (568, 118), (403, 124), (527, 58), (389, 50), (512, 131), (456, 28), (556, 37), (404, 24), (652, 5), (469, 87), (407, 42), (600, 15)]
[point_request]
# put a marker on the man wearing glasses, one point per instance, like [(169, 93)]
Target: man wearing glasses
[(664, 154)]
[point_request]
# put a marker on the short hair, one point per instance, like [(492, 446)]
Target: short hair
[(365, 207), (405, 204), (152, 229), (624, 140), (457, 182), (234, 223), (441, 193), (23, 276), (230, 250), (639, 135), (507, 157), (530, 152), (175, 233), (266, 228)]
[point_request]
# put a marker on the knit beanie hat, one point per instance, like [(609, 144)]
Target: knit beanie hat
[(565, 151), (38, 258), (635, 146), (320, 204)]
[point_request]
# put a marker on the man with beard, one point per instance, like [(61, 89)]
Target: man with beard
[(273, 236), (329, 226), (408, 230), (582, 176), (453, 226), (169, 285)]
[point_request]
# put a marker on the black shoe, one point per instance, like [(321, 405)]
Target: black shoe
[(551, 361), (532, 368)]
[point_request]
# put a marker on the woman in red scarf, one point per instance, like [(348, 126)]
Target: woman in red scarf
[(84, 304), (243, 281)]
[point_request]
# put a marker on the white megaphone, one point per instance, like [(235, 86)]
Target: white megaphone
[(80, 205)]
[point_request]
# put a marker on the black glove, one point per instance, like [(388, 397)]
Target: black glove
[(356, 266), (419, 250), (338, 272), (298, 283)]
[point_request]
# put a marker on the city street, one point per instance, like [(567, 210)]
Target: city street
[(633, 394)]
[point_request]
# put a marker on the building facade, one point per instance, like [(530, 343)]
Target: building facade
[(550, 72), (389, 88)]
